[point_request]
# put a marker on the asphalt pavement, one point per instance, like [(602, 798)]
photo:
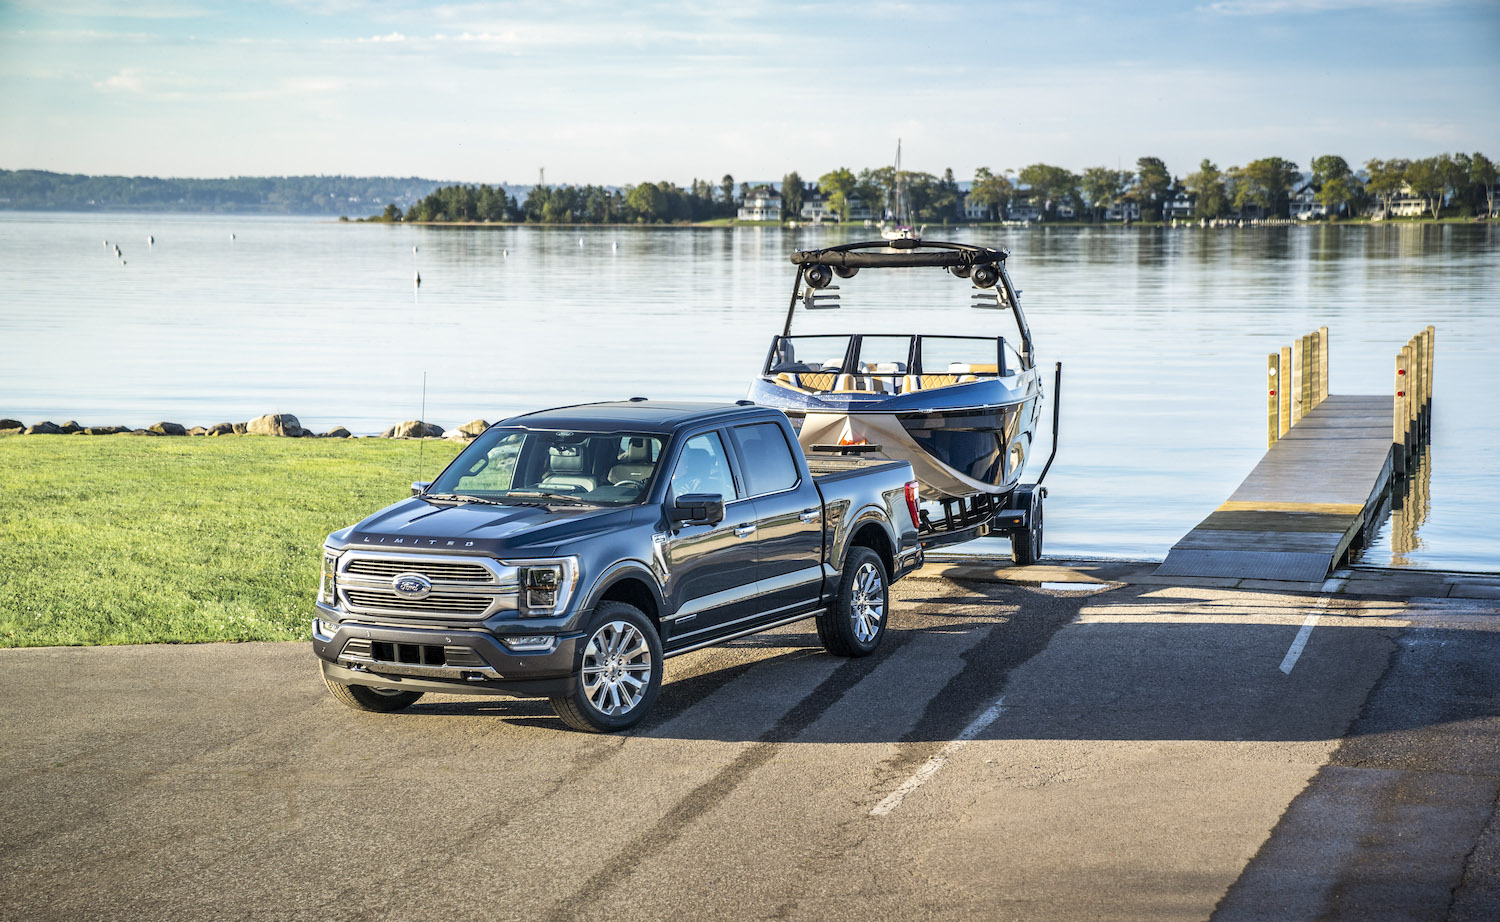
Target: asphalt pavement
[(1066, 742)]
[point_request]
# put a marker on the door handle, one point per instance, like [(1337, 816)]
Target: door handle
[(808, 515), (744, 531)]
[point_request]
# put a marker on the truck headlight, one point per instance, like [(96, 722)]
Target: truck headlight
[(546, 587), (328, 589)]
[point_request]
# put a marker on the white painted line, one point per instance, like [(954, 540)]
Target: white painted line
[(1296, 649), (919, 778)]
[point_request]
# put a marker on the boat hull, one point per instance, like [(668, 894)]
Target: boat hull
[(977, 442)]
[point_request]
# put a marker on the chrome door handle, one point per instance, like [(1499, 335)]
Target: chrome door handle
[(744, 531), (808, 515)]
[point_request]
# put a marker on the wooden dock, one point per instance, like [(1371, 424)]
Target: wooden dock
[(1323, 481)]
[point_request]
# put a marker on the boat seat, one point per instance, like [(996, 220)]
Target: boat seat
[(635, 464), (822, 381), (859, 384), (964, 368), (565, 473), (928, 382)]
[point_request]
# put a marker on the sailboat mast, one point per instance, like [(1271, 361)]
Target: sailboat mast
[(897, 217)]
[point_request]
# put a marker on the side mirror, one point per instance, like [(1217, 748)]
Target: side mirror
[(418, 487), (697, 509)]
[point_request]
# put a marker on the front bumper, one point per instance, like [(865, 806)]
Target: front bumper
[(445, 660)]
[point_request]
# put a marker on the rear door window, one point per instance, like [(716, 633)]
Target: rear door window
[(765, 458)]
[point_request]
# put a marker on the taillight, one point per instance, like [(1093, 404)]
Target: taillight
[(911, 503)]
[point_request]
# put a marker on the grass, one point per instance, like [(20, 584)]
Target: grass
[(126, 539)]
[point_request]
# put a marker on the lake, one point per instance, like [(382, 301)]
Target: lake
[(1163, 334)]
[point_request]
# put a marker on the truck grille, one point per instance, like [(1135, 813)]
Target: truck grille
[(436, 571), (437, 603), (463, 588)]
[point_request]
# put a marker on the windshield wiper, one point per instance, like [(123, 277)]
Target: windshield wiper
[(542, 494), (462, 498)]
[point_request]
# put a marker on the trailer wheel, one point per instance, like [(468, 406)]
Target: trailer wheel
[(855, 625), (1026, 546)]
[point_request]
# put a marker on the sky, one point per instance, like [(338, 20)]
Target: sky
[(621, 92)]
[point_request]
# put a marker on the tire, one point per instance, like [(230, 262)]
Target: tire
[(376, 700), (1026, 546), (856, 623), (619, 673)]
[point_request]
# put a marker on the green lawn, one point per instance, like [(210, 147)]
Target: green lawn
[(129, 539)]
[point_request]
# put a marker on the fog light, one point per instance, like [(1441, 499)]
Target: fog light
[(530, 642)]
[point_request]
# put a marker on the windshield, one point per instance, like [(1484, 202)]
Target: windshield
[(600, 468)]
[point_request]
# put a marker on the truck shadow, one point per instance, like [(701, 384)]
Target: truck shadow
[(1137, 665)]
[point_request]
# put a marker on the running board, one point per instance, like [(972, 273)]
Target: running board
[(745, 633)]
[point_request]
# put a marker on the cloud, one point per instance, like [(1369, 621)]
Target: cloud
[(93, 9), (1292, 7), (129, 80)]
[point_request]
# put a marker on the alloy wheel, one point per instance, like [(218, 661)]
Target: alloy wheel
[(868, 604), (616, 668)]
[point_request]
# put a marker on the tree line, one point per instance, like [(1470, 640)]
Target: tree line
[(325, 195)]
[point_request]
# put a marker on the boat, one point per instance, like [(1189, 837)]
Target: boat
[(961, 409), (899, 226)]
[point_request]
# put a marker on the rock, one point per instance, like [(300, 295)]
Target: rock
[(103, 430), (71, 426), (44, 428), (197, 430), (11, 424), (473, 428), (14, 430), (413, 429), (144, 432), (337, 432), (240, 428), (168, 429), (220, 429), (284, 424)]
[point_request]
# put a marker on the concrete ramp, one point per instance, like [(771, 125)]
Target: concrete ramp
[(1295, 516)]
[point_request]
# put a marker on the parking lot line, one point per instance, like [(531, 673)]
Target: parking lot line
[(920, 776)]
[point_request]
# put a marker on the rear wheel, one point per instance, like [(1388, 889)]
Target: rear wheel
[(619, 673), (1026, 546), (855, 625), (365, 698)]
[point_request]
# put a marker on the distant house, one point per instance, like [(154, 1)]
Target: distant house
[(1408, 204), (1179, 203), (1303, 203), (761, 204), (1124, 210), (815, 208), (973, 211)]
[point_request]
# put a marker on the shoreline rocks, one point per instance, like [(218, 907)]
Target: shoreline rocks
[(279, 425)]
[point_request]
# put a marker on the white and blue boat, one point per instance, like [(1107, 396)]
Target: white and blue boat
[(960, 409)]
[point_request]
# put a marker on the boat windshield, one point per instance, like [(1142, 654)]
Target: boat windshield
[(884, 364), (552, 466)]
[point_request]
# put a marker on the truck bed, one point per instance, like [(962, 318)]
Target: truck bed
[(831, 469)]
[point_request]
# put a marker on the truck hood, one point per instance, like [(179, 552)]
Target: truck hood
[(415, 524)]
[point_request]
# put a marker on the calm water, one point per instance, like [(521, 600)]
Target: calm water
[(1163, 335)]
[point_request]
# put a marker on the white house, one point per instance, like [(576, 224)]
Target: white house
[(1303, 203), (761, 204), (1179, 203)]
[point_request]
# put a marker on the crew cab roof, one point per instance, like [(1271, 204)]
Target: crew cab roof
[(663, 416)]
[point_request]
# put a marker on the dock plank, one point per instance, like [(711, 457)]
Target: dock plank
[(1295, 514)]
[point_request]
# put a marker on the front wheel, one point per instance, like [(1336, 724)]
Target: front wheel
[(855, 625), (366, 698), (618, 675)]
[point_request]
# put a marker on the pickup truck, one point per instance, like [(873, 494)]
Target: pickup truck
[(565, 554)]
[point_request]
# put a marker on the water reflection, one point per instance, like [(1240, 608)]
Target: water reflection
[(1163, 334)]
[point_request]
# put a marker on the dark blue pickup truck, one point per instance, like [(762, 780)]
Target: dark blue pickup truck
[(566, 553)]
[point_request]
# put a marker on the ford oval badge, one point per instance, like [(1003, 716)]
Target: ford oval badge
[(412, 586)]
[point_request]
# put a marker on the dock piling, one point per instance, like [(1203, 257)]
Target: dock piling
[(1284, 386), (1273, 401), (1322, 364)]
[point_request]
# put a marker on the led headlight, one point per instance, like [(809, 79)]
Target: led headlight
[(328, 590), (546, 587)]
